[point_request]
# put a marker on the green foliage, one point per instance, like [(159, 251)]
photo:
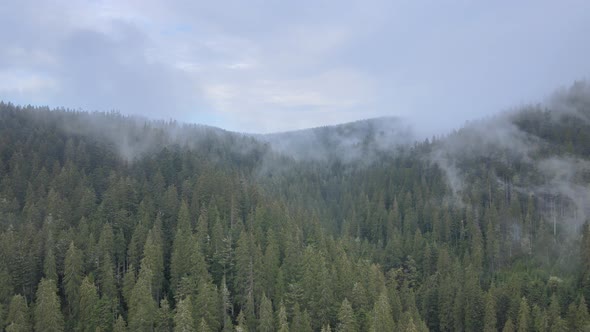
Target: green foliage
[(88, 306), (47, 312), (266, 320), (188, 228), (346, 318), (19, 317), (381, 318), (142, 307), (72, 279), (183, 319)]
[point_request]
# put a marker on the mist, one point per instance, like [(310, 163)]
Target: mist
[(509, 141)]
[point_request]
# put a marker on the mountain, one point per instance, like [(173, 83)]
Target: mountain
[(345, 142), (118, 223)]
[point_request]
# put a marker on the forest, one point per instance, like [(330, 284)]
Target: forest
[(116, 223)]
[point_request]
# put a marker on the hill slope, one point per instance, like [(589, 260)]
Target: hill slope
[(111, 222)]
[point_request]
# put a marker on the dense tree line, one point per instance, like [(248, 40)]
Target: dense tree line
[(206, 230)]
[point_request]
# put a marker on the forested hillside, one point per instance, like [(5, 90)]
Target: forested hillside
[(113, 223)]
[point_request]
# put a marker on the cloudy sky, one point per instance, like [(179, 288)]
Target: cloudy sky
[(264, 66)]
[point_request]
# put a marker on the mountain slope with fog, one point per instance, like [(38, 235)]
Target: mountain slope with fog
[(116, 223), (344, 142)]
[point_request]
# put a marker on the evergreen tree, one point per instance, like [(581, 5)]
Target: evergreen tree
[(539, 319), (207, 306), (301, 321), (523, 316), (509, 326), (164, 321), (582, 318), (346, 319), (381, 318), (18, 318), (106, 277), (183, 319), (48, 316), (88, 306), (242, 326), (203, 327), (283, 324), (142, 307), (153, 258), (490, 314), (49, 266), (72, 277), (120, 325), (266, 321)]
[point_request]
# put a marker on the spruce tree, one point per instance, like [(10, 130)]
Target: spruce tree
[(346, 319), (18, 318), (266, 320), (381, 318), (490, 314), (183, 319), (523, 316), (48, 316), (72, 278), (283, 324), (142, 307), (88, 306)]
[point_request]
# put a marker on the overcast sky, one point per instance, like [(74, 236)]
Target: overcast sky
[(264, 66)]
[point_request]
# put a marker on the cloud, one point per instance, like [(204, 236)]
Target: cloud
[(14, 82), (266, 66), (275, 105)]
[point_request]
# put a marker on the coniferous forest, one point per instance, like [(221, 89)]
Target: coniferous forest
[(115, 223)]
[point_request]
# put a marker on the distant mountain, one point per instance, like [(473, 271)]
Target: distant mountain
[(345, 142)]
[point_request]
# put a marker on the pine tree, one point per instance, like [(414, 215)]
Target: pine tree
[(187, 260), (283, 324), (266, 321), (142, 307), (226, 305), (318, 291), (72, 278), (49, 267), (539, 319), (164, 320), (106, 277), (120, 325), (301, 321), (523, 316), (48, 316), (407, 323), (490, 314), (381, 319), (582, 317), (153, 258), (509, 326), (207, 305), (88, 307), (128, 284), (346, 319), (554, 312), (18, 318), (242, 326), (203, 327), (183, 319)]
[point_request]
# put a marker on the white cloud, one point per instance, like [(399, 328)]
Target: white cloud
[(25, 82), (291, 104)]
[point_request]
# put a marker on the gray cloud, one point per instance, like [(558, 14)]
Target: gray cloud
[(272, 66)]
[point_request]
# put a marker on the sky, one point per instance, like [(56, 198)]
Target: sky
[(267, 66)]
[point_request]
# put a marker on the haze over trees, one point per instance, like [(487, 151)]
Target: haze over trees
[(112, 223)]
